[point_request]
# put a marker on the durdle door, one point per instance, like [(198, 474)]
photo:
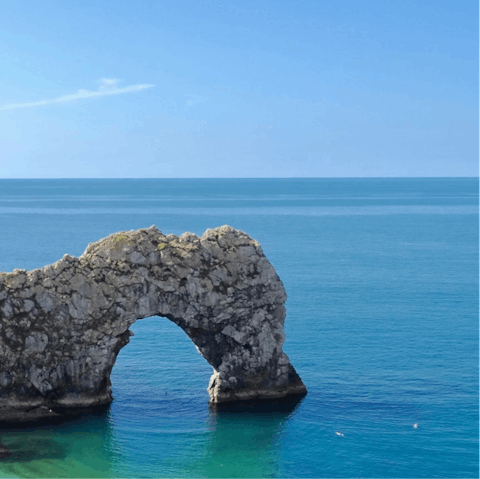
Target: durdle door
[(62, 326)]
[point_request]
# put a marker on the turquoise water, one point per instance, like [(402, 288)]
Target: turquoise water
[(382, 326)]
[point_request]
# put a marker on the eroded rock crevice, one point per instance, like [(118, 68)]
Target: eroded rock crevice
[(62, 326)]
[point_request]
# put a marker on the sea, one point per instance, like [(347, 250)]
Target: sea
[(382, 325)]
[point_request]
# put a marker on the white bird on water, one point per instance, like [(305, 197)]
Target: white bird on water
[(339, 433), (415, 426)]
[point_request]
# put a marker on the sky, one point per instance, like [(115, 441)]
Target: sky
[(198, 89)]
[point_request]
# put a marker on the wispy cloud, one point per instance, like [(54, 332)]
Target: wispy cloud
[(108, 86)]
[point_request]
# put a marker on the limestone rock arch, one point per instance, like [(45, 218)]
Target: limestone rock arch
[(62, 326)]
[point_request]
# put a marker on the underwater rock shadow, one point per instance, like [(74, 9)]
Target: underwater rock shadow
[(285, 405), (23, 449), (16, 445)]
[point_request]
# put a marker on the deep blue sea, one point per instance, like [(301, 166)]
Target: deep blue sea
[(382, 326)]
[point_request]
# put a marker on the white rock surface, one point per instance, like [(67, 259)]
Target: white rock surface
[(62, 326)]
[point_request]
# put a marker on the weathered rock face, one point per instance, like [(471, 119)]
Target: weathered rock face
[(62, 326)]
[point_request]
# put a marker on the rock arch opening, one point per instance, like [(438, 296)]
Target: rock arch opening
[(63, 326), (159, 365)]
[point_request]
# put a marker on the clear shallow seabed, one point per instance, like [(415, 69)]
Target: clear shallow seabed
[(382, 326)]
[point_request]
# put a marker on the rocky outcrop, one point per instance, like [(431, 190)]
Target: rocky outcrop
[(62, 326)]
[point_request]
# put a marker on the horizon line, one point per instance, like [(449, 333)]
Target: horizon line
[(248, 178)]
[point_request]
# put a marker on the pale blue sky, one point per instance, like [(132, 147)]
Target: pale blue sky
[(238, 89)]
